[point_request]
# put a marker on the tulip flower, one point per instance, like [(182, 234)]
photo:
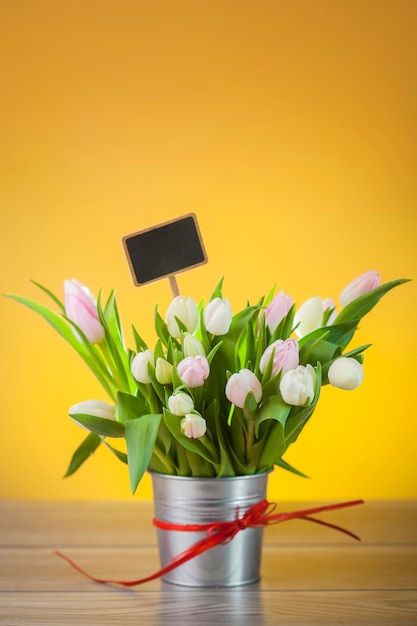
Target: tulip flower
[(240, 385), (163, 371), (139, 366), (191, 346), (180, 403), (298, 386), (97, 408), (285, 356), (193, 426), (277, 310), (309, 316), (185, 309), (359, 286), (345, 373), (81, 308), (218, 316), (193, 370)]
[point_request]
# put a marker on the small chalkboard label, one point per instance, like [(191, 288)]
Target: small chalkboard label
[(164, 250)]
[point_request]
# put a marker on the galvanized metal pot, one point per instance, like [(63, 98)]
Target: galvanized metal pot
[(185, 500)]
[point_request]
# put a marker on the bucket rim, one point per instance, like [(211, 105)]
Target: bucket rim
[(209, 479)]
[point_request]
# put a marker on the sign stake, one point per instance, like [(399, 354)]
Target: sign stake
[(174, 286)]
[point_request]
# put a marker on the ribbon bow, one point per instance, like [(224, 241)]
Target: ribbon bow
[(220, 533)]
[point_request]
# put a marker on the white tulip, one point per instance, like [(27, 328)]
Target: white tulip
[(218, 316), (345, 373), (192, 346), (139, 366), (97, 408), (298, 386), (185, 309), (309, 316), (163, 371), (180, 403)]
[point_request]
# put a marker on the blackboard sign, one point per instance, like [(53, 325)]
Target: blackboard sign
[(164, 250)]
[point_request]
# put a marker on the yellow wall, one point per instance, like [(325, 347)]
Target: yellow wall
[(289, 128)]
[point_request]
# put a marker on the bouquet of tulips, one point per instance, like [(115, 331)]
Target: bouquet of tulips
[(219, 394)]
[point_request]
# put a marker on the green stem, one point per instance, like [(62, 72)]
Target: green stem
[(119, 383), (250, 437), (163, 459)]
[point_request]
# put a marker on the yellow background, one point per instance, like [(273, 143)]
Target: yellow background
[(289, 128)]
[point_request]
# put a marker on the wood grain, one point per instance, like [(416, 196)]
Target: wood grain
[(310, 574)]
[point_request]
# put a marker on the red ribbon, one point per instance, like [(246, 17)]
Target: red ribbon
[(220, 533)]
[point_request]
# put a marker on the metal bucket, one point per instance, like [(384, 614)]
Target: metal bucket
[(185, 500)]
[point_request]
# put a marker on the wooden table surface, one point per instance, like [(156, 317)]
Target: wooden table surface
[(311, 575)]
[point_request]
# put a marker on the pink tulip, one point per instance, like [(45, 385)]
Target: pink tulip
[(81, 308), (193, 426), (285, 356), (359, 286), (193, 370), (277, 310), (240, 385)]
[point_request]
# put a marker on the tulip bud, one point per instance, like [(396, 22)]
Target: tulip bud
[(185, 309), (163, 371), (139, 366), (81, 308), (285, 356), (240, 385), (277, 310), (218, 316), (359, 286), (298, 386), (180, 403), (309, 316), (345, 373), (97, 408), (192, 346), (193, 370), (193, 426)]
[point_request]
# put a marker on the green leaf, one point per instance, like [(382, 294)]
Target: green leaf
[(274, 446), (122, 456), (217, 293), (361, 306), (212, 352), (281, 463), (99, 425), (274, 408), (322, 350), (139, 342), (83, 452), (338, 334), (113, 345), (131, 407), (51, 295), (226, 463), (112, 318), (173, 423), (56, 321), (141, 434), (285, 327), (161, 328)]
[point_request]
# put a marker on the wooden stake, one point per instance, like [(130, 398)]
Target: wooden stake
[(174, 286)]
